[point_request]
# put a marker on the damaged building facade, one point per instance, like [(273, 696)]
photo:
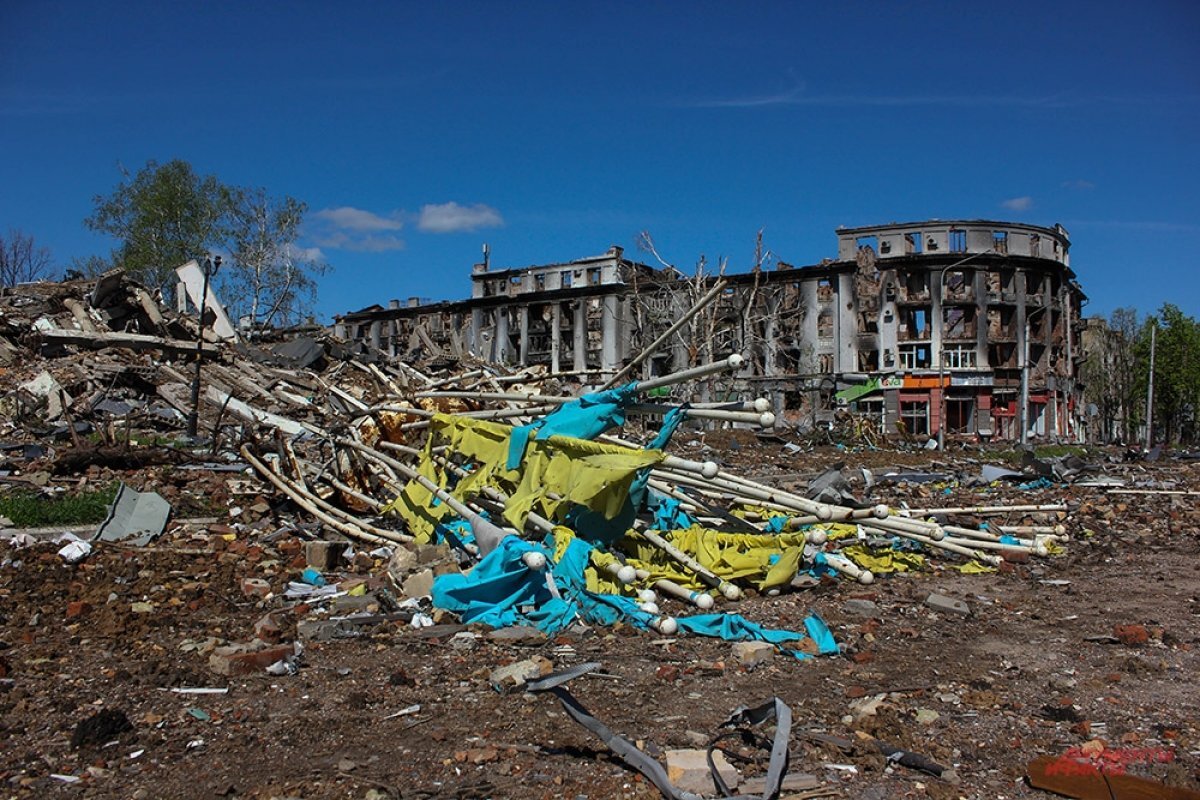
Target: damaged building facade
[(962, 323)]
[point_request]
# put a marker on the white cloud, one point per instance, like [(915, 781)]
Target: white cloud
[(453, 218), (350, 228), (356, 219), (1023, 203)]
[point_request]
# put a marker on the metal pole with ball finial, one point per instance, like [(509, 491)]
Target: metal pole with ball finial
[(211, 265)]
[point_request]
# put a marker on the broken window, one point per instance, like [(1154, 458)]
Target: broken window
[(1000, 241), (915, 416), (914, 356), (912, 243), (824, 290), (566, 279), (825, 325), (539, 281), (593, 276), (868, 360), (825, 362), (959, 356), (1035, 245)]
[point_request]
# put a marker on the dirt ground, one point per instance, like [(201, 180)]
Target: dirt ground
[(1038, 668)]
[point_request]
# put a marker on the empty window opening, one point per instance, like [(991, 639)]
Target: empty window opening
[(1000, 241), (824, 290), (912, 243), (566, 279), (1035, 245), (825, 325), (593, 276), (960, 414)]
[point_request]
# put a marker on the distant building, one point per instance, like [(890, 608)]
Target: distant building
[(909, 318)]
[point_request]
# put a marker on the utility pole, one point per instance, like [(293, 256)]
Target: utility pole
[(1150, 392), (1025, 384), (193, 423)]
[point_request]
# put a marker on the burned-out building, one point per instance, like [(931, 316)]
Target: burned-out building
[(961, 323)]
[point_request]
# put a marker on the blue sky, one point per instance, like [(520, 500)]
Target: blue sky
[(417, 131)]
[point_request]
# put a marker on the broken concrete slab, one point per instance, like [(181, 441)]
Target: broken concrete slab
[(688, 771), (947, 605), (137, 516)]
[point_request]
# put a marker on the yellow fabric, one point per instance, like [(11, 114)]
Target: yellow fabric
[(974, 568), (765, 560), (884, 560), (839, 530), (598, 579), (580, 472)]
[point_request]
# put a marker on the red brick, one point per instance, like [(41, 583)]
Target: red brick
[(255, 587), (1131, 635), (230, 661), (77, 608)]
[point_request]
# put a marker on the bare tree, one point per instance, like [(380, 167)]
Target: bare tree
[(273, 280), (21, 260)]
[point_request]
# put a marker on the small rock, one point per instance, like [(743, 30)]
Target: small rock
[(927, 716), (753, 654), (517, 634), (418, 584), (947, 605), (463, 641), (323, 556), (514, 676), (688, 771), (862, 609)]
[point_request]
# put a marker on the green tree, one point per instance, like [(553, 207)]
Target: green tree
[(272, 280), (162, 217), (1176, 374)]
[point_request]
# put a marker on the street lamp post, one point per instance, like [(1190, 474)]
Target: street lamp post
[(211, 265), (941, 356)]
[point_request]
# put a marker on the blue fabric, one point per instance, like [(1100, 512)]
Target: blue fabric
[(1007, 539), (584, 418), (776, 524), (736, 628), (1040, 483), (501, 591), (668, 513), (820, 567), (637, 489)]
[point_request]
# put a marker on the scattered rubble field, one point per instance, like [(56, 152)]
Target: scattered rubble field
[(1098, 645)]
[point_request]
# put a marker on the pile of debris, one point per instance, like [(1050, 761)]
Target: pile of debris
[(471, 494)]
